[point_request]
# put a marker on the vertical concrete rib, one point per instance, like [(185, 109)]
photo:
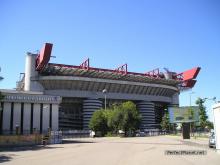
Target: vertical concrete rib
[(30, 73), (147, 112), (90, 105)]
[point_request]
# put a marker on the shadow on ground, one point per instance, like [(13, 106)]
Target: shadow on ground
[(67, 141), (26, 148), (5, 158), (175, 144), (190, 143), (39, 147)]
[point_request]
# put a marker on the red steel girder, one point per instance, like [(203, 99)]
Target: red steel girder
[(85, 64), (153, 73), (44, 57), (123, 69)]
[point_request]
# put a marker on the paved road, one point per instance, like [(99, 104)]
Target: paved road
[(114, 151)]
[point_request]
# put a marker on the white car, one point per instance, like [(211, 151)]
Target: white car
[(212, 140)]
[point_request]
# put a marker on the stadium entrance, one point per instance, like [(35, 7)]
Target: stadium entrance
[(70, 114)]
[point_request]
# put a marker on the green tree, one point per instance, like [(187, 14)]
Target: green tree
[(119, 117), (209, 125), (202, 113), (114, 118), (98, 122), (165, 123), (130, 118)]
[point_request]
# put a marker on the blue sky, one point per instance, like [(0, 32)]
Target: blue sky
[(146, 34)]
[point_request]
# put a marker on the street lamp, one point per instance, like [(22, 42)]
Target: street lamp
[(190, 104), (213, 99), (104, 91), (190, 96)]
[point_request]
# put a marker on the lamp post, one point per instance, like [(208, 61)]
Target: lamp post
[(190, 104), (104, 91), (190, 97), (212, 112), (213, 99)]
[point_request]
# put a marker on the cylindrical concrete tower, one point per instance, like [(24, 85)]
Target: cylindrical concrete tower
[(147, 112), (90, 105), (30, 74)]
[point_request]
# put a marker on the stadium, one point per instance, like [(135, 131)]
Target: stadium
[(64, 97)]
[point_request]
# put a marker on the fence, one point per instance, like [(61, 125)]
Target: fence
[(193, 133), (152, 132), (20, 140), (15, 138), (155, 132), (75, 134)]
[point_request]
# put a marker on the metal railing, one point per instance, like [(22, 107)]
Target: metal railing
[(152, 132), (75, 134)]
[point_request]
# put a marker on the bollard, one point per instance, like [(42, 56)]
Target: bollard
[(17, 129)]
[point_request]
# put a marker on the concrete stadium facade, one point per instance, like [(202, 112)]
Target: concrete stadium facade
[(77, 91)]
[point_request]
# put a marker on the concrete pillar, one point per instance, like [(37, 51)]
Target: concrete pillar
[(36, 117), (147, 112), (27, 117), (46, 117), (216, 117), (6, 117), (89, 107), (55, 117), (17, 115), (175, 99), (30, 74)]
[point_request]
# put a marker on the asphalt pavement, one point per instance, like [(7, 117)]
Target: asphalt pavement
[(158, 150)]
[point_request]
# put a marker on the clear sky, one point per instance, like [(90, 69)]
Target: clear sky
[(146, 34)]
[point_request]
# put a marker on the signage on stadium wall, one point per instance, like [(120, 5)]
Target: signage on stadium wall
[(31, 98), (183, 114)]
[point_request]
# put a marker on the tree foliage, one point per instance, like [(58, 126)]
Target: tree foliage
[(98, 122), (123, 117), (130, 120), (114, 119), (165, 123), (202, 113), (209, 125)]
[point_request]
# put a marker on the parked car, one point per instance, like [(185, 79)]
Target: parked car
[(140, 134), (212, 140)]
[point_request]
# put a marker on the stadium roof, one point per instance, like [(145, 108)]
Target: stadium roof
[(70, 70)]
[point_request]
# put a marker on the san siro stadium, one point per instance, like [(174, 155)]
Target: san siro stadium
[(64, 97)]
